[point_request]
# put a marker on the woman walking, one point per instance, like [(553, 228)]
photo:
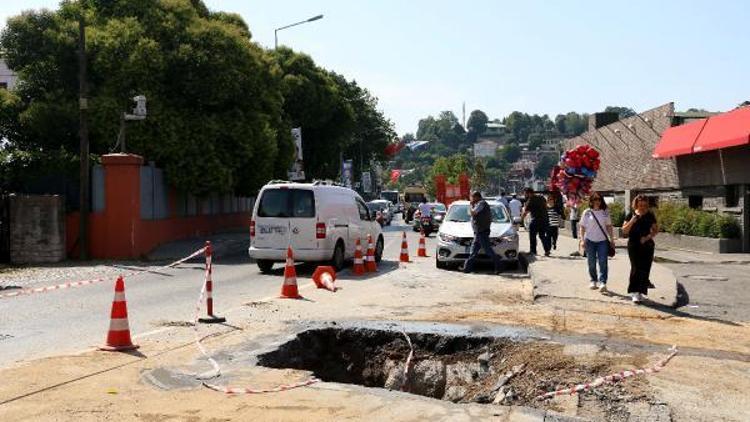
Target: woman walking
[(640, 228), (596, 232)]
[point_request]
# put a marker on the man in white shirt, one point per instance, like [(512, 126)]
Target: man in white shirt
[(515, 207)]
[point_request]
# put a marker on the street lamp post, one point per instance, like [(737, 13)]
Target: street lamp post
[(276, 31)]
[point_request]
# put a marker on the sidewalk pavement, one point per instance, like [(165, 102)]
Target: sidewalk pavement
[(224, 244), (684, 256), (563, 276)]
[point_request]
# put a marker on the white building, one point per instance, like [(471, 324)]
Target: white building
[(485, 149), (8, 78)]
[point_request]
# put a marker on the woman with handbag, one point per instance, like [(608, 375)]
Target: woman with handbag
[(595, 235), (640, 228)]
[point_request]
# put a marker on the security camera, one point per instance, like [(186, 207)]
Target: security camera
[(139, 112)]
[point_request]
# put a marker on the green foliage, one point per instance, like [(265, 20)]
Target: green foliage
[(511, 153), (616, 213), (477, 122), (681, 219), (479, 180), (451, 167), (544, 167), (623, 112), (220, 107)]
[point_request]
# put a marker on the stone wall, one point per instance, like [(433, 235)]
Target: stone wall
[(37, 229)]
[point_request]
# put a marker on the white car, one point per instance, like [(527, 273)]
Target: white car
[(320, 221), (456, 234)]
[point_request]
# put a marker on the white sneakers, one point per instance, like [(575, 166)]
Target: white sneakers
[(592, 286), (602, 287), (637, 298)]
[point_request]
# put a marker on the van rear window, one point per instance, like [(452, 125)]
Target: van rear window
[(287, 203)]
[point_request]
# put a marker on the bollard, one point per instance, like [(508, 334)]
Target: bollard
[(211, 318)]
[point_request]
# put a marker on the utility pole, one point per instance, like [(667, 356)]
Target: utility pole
[(83, 131)]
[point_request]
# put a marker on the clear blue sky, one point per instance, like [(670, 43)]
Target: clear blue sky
[(423, 56)]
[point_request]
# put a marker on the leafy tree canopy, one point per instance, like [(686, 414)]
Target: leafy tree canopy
[(220, 107), (623, 112), (477, 122)]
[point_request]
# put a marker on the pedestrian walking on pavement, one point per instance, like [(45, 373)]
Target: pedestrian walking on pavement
[(640, 227), (553, 216), (536, 206), (595, 232), (481, 221), (515, 207), (573, 216)]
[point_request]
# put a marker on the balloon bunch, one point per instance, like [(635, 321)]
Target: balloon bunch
[(576, 173)]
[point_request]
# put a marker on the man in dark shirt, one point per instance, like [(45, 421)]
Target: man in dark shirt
[(481, 220), (536, 206)]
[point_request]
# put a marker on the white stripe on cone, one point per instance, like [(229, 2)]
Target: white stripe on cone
[(119, 324), (119, 297)]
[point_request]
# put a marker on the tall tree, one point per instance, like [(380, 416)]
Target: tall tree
[(477, 123), (206, 140), (623, 112)]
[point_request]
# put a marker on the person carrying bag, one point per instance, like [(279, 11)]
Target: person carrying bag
[(594, 239)]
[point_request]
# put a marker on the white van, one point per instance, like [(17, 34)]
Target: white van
[(320, 221)]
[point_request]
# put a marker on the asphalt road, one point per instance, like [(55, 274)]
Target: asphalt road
[(67, 321)]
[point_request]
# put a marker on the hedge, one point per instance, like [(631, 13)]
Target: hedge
[(681, 219)]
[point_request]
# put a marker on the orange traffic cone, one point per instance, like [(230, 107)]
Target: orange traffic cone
[(324, 277), (422, 249), (404, 250), (118, 337), (289, 288), (359, 264), (370, 265)]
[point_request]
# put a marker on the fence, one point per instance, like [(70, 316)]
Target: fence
[(134, 210)]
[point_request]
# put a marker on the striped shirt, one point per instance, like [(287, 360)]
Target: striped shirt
[(553, 217)]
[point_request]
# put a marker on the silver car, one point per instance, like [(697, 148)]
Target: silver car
[(455, 236)]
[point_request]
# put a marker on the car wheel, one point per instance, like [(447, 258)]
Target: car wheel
[(265, 266), (440, 264), (379, 250), (338, 257)]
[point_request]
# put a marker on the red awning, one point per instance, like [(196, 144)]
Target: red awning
[(725, 130), (679, 140)]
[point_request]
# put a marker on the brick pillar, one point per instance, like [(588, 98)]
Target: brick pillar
[(122, 215)]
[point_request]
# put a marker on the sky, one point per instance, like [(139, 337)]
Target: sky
[(420, 57)]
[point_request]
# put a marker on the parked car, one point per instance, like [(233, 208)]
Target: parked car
[(320, 221), (456, 234), (381, 206)]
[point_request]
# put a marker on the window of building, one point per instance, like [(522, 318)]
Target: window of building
[(695, 201), (731, 196)]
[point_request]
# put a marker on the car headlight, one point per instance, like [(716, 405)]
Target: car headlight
[(509, 238), (448, 238)]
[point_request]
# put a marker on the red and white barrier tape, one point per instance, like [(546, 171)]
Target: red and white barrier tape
[(74, 284), (611, 378)]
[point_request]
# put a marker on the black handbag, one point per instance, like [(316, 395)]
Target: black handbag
[(610, 244)]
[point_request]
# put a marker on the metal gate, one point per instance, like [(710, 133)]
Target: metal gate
[(4, 229)]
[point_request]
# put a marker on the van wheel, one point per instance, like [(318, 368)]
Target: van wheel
[(379, 250), (265, 266), (338, 256), (440, 264)]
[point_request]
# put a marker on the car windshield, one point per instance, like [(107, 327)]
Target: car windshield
[(376, 206), (460, 214)]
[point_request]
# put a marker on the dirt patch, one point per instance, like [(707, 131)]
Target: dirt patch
[(463, 369)]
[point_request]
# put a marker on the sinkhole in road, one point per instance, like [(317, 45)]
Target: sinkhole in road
[(461, 369)]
